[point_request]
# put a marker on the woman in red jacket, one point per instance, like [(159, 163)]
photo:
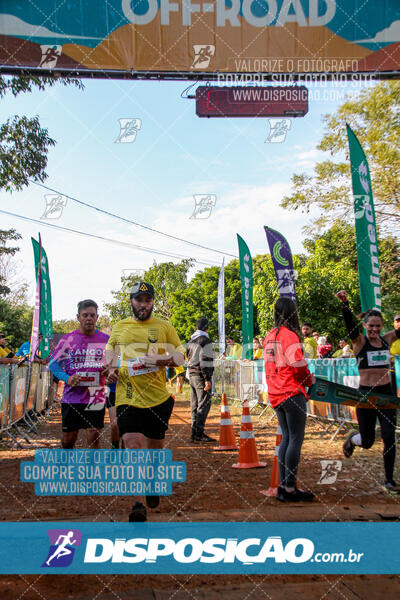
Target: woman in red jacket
[(287, 377)]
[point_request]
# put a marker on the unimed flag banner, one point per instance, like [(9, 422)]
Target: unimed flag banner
[(283, 263), (221, 308), (246, 279), (364, 213), (43, 296)]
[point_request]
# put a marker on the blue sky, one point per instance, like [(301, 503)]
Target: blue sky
[(153, 179)]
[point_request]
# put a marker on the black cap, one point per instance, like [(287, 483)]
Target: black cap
[(2, 334), (202, 324), (141, 287)]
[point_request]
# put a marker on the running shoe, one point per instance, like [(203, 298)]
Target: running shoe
[(296, 496), (204, 438), (138, 513), (392, 487), (281, 494), (348, 446), (152, 501)]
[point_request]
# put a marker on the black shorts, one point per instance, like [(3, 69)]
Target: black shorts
[(79, 416), (110, 399), (151, 422)]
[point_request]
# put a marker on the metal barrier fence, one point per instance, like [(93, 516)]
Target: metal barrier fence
[(242, 380), (26, 393)]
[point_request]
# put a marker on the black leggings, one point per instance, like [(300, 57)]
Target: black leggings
[(366, 418), (292, 416)]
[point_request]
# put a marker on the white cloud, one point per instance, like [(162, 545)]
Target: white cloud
[(85, 267), (390, 34), (12, 25)]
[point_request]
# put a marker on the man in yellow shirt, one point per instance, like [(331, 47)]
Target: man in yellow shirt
[(395, 347), (395, 351), (309, 342), (257, 349), (146, 345), (6, 356)]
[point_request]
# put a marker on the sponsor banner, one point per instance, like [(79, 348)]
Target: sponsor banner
[(35, 333), (364, 213), (199, 548), (43, 321), (282, 260), (335, 393), (221, 309), (238, 36), (102, 472), (246, 280)]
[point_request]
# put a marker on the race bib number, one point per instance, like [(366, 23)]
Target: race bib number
[(89, 379), (378, 358), (136, 367)]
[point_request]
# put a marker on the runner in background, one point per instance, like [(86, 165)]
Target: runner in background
[(338, 353), (257, 349), (78, 360), (6, 356), (373, 358), (395, 351), (309, 342), (287, 377), (179, 373), (147, 345)]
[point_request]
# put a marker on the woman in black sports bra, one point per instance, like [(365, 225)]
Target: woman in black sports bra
[(373, 359)]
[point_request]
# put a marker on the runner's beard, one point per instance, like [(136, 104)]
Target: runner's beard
[(143, 313)]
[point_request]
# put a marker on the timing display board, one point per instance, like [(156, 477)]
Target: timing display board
[(251, 101)]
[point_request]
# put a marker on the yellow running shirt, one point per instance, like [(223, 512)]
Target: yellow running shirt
[(257, 354), (4, 352), (395, 348), (137, 385), (310, 347)]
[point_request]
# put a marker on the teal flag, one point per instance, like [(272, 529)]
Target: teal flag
[(246, 279), (45, 312), (364, 212)]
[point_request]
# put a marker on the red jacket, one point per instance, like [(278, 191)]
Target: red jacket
[(286, 368)]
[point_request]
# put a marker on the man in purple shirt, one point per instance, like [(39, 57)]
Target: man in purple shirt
[(78, 360)]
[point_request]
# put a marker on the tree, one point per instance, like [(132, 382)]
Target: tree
[(200, 299), (67, 325), (167, 278), (6, 235), (15, 313), (24, 144), (339, 242), (375, 118), (16, 323), (319, 276)]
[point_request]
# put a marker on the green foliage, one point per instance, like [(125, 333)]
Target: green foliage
[(200, 299), (16, 322), (374, 117), (15, 314), (167, 279), (24, 144), (67, 325), (329, 265)]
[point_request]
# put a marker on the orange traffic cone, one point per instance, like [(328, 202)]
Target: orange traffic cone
[(275, 477), (227, 439), (248, 458)]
